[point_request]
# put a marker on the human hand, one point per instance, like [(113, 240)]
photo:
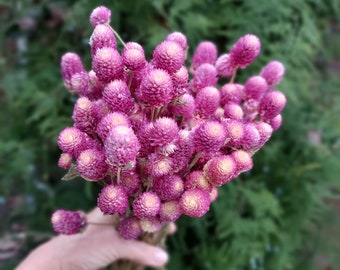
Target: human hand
[(96, 247)]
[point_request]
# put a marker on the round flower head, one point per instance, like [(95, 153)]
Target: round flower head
[(133, 45), (205, 52), (184, 106), (170, 211), (143, 134), (147, 205), (231, 92), (100, 15), (72, 141), (184, 150), (65, 161), (243, 160), (121, 146), (220, 170), (102, 37), (213, 194), (130, 181), (169, 56), (70, 64), (151, 225), (68, 222), (80, 83), (244, 51), (205, 75), (265, 131), (118, 98), (109, 121), (159, 165), (195, 202), (129, 227), (275, 122), (223, 66), (207, 101), (91, 164), (218, 114), (235, 131), (273, 72), (180, 81), (133, 59), (155, 88), (209, 136), (164, 131), (272, 104), (250, 108), (113, 199), (233, 111), (197, 179), (251, 137), (85, 115), (255, 87), (93, 142), (96, 87), (168, 188), (101, 108), (107, 64), (179, 38)]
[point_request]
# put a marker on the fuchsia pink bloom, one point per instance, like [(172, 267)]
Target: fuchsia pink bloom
[(162, 139)]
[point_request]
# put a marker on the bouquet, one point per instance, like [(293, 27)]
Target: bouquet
[(161, 138)]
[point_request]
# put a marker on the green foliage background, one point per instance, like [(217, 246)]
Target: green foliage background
[(267, 218)]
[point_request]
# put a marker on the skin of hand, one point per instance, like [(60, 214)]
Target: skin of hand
[(96, 247)]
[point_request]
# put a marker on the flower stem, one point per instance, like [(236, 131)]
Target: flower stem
[(118, 37)]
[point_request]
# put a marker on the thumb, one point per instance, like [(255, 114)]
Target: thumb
[(142, 253)]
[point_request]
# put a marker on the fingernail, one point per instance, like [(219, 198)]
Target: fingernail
[(161, 257)]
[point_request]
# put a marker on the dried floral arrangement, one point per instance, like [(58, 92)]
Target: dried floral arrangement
[(161, 138)]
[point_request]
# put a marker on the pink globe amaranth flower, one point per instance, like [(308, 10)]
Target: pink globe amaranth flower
[(151, 225), (129, 227), (65, 161), (80, 83), (165, 130), (170, 211), (224, 67), (107, 64), (68, 222), (207, 101), (184, 106), (275, 122), (143, 135), (255, 87), (243, 160), (197, 179), (206, 157), (91, 165), (168, 188), (93, 142), (209, 136), (96, 87), (218, 114), (233, 111), (213, 194), (205, 52), (72, 141), (70, 64), (272, 104), (231, 92), (130, 181), (133, 45), (100, 15), (133, 59), (250, 108), (244, 51), (273, 72), (121, 146), (184, 151), (155, 88), (180, 81), (117, 96), (159, 165), (220, 170), (265, 131), (235, 131), (251, 137), (168, 55), (85, 115), (102, 37), (195, 202), (147, 205), (179, 38), (101, 108), (109, 121), (205, 75), (113, 199)]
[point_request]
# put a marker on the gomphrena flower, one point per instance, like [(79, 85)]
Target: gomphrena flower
[(80, 83), (205, 75), (170, 211), (184, 106), (113, 199), (72, 141), (147, 205), (151, 225), (165, 130), (223, 66), (255, 87), (244, 51), (109, 121), (130, 181), (272, 104), (159, 164), (235, 131), (231, 92), (180, 81), (65, 161), (220, 170), (195, 202), (129, 227), (85, 115), (179, 38), (91, 164), (251, 136), (70, 65), (169, 56), (273, 72), (265, 131), (243, 160), (275, 122), (233, 111), (205, 52), (102, 37), (133, 59), (100, 15), (68, 222), (168, 188), (197, 179), (207, 101)]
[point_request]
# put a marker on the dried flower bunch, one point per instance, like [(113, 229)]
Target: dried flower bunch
[(161, 138)]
